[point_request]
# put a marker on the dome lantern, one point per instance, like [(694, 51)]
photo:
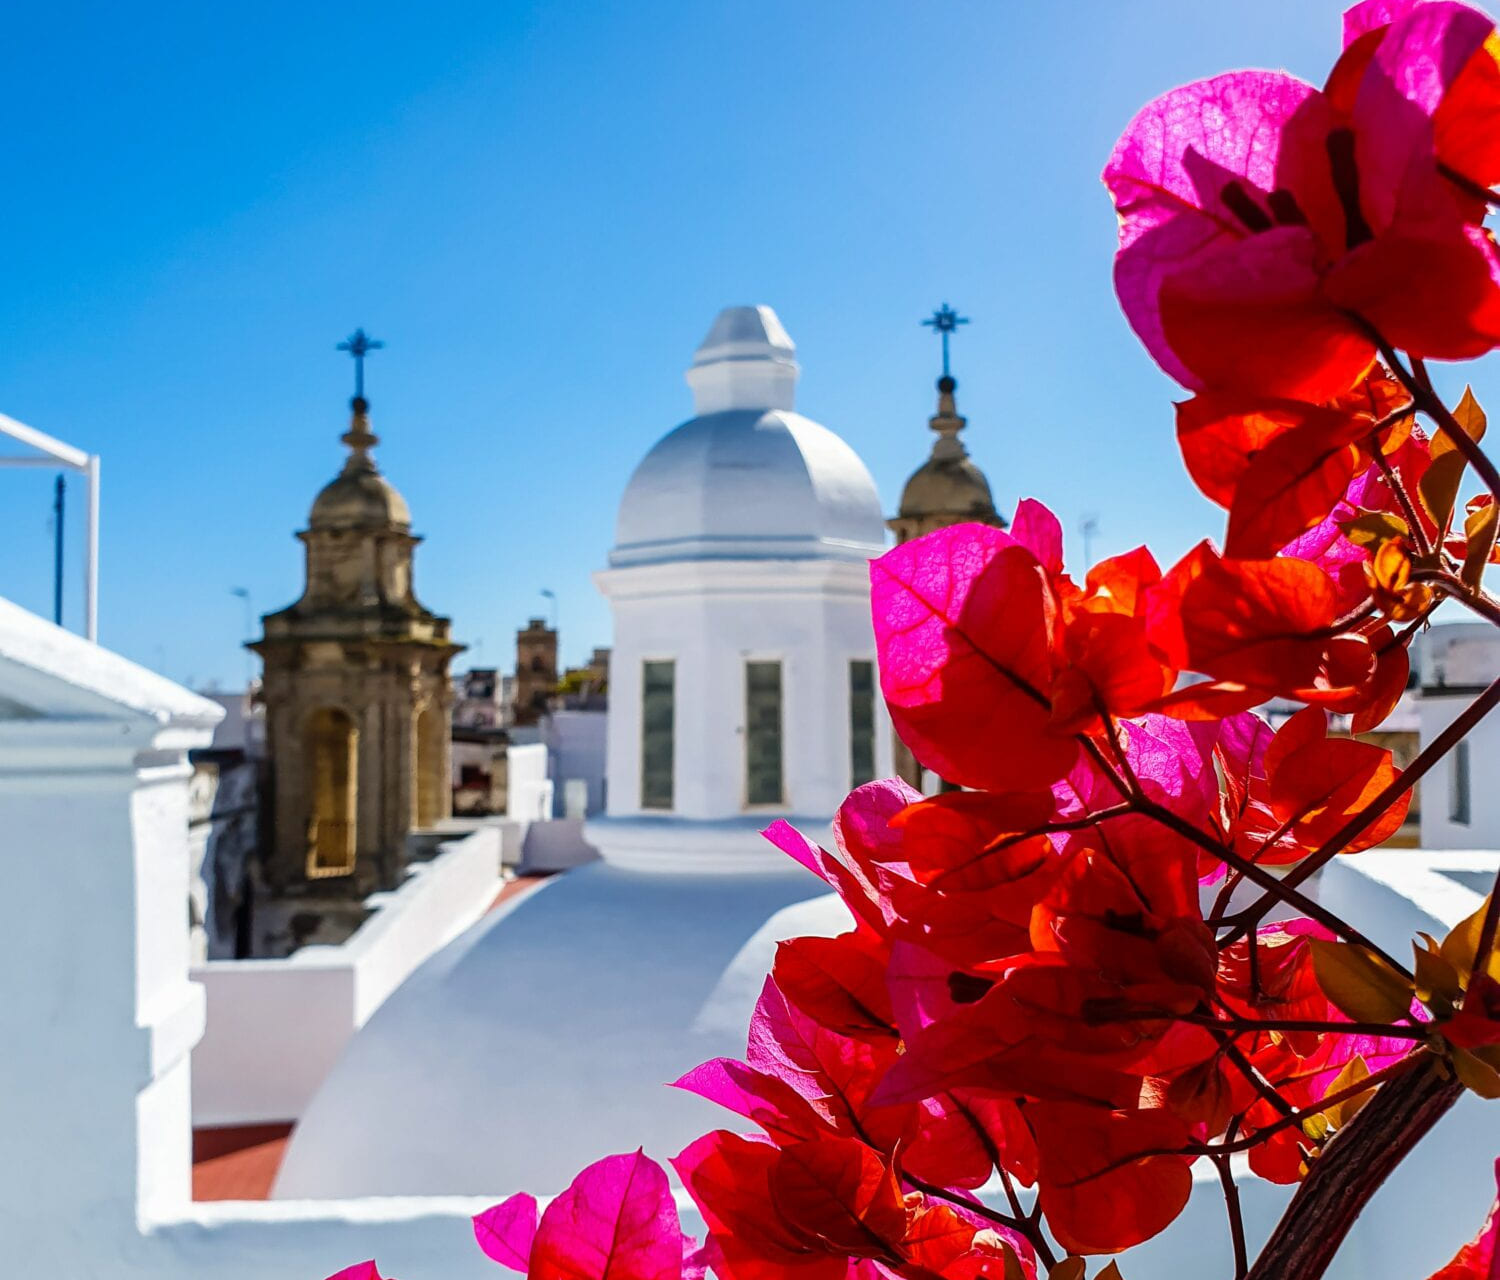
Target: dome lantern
[(748, 478)]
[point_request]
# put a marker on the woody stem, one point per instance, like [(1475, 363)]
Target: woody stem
[(1435, 751), (1432, 405), (1413, 522), (1236, 1217), (1352, 1167)]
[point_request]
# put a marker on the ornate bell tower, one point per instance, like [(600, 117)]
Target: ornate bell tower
[(945, 490), (358, 699)]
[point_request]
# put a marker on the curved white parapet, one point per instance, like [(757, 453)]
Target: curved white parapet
[(730, 846)]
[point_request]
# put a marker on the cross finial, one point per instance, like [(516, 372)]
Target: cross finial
[(945, 320), (359, 344)]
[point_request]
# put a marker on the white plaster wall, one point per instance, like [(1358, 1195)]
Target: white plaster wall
[(276, 1027), (576, 741), (711, 618), (1437, 711), (528, 795)]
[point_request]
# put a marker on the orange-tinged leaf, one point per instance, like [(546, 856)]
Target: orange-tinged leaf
[(1479, 533), (1364, 987), (1438, 488), (1468, 414), (1439, 982), (1462, 944), (1476, 1074), (1353, 1073), (1068, 1269), (1372, 529)]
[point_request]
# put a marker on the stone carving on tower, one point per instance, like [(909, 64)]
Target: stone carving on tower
[(945, 490), (356, 689)]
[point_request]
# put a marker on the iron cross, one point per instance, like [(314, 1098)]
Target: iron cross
[(359, 344), (944, 321)]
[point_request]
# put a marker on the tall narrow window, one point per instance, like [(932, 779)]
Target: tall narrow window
[(763, 733), (331, 745), (1458, 785), (658, 714), (861, 721)]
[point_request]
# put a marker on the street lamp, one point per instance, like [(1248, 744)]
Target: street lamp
[(244, 594)]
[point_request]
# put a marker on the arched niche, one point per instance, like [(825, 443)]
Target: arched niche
[(332, 760), (433, 787)]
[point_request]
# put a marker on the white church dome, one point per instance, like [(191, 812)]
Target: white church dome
[(748, 478)]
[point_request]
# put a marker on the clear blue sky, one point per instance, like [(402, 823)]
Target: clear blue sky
[(540, 207)]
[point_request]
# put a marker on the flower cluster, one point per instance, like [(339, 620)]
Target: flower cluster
[(1090, 960)]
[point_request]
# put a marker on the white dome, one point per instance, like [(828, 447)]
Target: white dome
[(546, 1035), (748, 478)]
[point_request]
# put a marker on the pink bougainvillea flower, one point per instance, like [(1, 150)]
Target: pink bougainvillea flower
[(1267, 228), (1258, 628), (360, 1271), (993, 661), (616, 1221), (964, 624), (1479, 1259), (832, 1209), (506, 1231)]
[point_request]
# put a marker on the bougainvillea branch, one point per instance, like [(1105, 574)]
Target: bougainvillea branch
[(1029, 989)]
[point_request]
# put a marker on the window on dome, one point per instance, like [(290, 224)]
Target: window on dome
[(658, 716), (763, 733), (861, 721), (1458, 785)]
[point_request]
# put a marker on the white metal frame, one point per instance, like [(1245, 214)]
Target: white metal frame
[(58, 454)]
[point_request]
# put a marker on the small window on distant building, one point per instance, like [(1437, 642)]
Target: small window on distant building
[(658, 715), (861, 721), (763, 733), (1458, 785)]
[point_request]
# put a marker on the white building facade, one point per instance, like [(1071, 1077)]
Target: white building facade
[(1460, 801), (743, 674)]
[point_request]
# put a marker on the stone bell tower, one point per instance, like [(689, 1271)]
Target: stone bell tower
[(357, 695), (945, 490)]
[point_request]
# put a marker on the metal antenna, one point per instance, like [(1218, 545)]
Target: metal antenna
[(1089, 528)]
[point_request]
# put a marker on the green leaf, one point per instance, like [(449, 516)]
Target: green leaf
[(1365, 988)]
